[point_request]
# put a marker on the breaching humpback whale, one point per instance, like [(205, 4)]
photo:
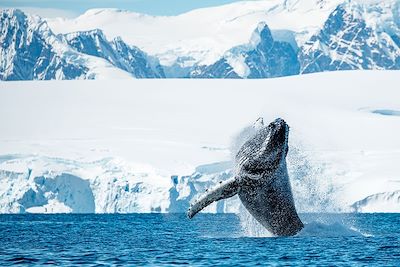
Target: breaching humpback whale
[(261, 180)]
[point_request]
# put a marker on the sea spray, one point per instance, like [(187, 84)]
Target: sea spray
[(249, 225), (312, 185)]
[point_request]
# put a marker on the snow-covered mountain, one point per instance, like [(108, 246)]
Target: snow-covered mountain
[(287, 37), (357, 35), (263, 57), (117, 52), (30, 51), (202, 36)]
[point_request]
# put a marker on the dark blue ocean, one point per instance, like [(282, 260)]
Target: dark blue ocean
[(172, 239)]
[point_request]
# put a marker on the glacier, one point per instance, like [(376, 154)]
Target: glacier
[(153, 145), (103, 186), (38, 184)]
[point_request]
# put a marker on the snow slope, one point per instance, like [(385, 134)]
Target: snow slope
[(153, 145)]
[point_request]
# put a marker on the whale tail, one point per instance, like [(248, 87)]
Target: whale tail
[(223, 190)]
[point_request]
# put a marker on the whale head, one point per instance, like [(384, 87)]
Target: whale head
[(264, 151)]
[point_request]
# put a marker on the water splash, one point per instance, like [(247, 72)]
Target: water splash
[(312, 185), (329, 225), (317, 229), (250, 227), (315, 225)]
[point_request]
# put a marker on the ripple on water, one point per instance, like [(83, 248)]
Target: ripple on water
[(155, 239)]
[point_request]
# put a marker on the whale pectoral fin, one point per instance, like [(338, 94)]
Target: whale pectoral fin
[(223, 190)]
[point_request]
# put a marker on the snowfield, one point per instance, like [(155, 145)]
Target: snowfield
[(153, 145)]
